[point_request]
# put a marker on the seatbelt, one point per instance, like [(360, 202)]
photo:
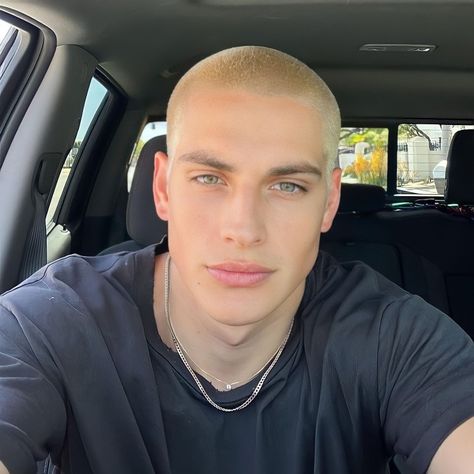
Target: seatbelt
[(34, 256)]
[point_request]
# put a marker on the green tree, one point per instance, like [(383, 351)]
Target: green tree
[(411, 130), (376, 137)]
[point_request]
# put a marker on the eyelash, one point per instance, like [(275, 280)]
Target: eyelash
[(300, 189), (200, 179)]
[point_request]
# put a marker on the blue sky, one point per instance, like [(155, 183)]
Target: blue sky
[(3, 29), (94, 98)]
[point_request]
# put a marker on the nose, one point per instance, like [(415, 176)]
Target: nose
[(243, 220)]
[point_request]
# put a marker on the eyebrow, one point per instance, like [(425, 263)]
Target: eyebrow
[(203, 158), (297, 168)]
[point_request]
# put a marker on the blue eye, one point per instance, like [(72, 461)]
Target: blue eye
[(208, 179), (290, 188)]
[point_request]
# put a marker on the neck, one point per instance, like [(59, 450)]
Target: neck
[(230, 353)]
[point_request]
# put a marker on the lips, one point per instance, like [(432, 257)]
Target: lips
[(239, 274)]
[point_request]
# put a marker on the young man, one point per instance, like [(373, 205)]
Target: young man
[(234, 346)]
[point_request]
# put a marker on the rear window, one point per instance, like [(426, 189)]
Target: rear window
[(362, 155), (422, 154)]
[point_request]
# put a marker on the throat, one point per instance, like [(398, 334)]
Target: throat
[(228, 366)]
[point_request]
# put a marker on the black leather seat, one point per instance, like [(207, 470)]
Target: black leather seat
[(460, 169), (365, 229), (460, 191)]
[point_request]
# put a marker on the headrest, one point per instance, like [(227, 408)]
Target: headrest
[(143, 224), (361, 198), (460, 169)]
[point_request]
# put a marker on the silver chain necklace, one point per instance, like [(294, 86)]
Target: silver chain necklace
[(191, 371), (228, 385)]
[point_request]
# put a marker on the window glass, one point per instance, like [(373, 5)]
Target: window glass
[(9, 45), (95, 97), (151, 130), (363, 155), (4, 27), (422, 156)]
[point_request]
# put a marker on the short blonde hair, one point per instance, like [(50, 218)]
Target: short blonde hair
[(264, 71)]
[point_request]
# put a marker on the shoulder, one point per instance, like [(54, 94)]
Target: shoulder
[(71, 277), (352, 306), (74, 288), (346, 288)]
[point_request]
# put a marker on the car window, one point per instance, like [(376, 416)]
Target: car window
[(422, 155), (151, 130), (4, 29), (362, 155), (95, 98), (7, 37), (10, 54)]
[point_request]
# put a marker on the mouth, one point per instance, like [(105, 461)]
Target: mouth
[(239, 274)]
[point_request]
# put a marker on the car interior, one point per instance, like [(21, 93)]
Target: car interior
[(83, 95)]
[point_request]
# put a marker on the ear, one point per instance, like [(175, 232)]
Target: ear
[(332, 203), (160, 185)]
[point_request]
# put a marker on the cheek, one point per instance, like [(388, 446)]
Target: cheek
[(301, 220), (190, 218), (297, 238), (302, 232), (305, 259)]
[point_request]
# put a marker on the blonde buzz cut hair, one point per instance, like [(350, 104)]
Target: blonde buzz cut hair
[(263, 71)]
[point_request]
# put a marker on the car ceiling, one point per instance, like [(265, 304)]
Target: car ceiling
[(146, 45)]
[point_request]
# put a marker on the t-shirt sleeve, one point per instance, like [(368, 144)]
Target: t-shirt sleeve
[(425, 379), (32, 408)]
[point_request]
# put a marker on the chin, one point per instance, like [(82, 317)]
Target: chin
[(237, 315)]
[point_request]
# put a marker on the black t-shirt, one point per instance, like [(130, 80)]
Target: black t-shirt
[(368, 371)]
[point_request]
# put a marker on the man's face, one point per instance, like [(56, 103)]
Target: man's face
[(246, 200)]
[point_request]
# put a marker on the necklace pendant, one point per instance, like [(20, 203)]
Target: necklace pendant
[(228, 387)]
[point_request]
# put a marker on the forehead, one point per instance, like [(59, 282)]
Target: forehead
[(247, 122)]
